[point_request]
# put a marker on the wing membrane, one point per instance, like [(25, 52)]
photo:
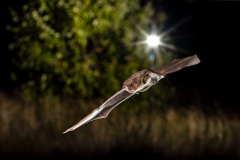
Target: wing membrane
[(104, 109), (177, 64)]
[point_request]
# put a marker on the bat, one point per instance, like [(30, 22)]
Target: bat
[(138, 82)]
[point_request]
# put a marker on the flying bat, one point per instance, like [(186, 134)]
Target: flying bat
[(138, 82)]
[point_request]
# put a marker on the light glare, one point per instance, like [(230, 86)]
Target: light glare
[(153, 41)]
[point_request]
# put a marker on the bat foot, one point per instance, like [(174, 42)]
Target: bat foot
[(162, 76)]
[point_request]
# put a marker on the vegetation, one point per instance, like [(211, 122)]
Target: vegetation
[(76, 47), (69, 56), (35, 129)]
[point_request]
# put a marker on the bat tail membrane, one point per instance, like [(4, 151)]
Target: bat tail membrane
[(177, 64)]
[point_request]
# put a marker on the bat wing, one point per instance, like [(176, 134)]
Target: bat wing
[(176, 65), (104, 109)]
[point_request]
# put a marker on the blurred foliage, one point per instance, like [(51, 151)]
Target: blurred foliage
[(37, 131), (76, 46)]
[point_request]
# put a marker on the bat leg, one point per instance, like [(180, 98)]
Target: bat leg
[(158, 73), (150, 70)]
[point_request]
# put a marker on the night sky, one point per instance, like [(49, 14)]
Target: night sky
[(215, 39)]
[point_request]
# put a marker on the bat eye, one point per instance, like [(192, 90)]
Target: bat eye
[(134, 81)]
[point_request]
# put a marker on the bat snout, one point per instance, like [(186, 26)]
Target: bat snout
[(131, 89)]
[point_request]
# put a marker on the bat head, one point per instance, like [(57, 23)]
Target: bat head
[(134, 82), (133, 85)]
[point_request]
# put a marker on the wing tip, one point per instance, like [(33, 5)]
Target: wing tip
[(68, 130), (195, 59), (198, 60)]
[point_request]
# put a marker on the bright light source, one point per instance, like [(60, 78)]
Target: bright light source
[(153, 41)]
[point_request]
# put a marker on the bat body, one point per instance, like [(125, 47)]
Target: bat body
[(138, 82)]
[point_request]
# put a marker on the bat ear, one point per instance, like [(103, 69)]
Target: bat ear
[(135, 81), (145, 78)]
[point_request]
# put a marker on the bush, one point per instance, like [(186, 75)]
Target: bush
[(76, 46)]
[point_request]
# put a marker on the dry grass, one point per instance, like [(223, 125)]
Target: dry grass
[(37, 128)]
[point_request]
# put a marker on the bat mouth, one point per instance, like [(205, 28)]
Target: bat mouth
[(131, 90)]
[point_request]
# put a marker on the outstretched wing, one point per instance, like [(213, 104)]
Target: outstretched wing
[(176, 65), (104, 109)]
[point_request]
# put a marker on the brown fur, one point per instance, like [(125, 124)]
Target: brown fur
[(130, 81)]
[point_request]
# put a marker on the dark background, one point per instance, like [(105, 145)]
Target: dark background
[(215, 40), (215, 32)]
